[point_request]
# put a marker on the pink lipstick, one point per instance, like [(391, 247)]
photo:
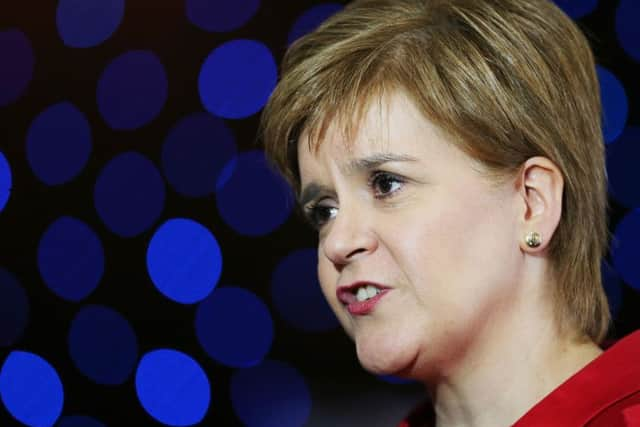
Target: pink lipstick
[(347, 295)]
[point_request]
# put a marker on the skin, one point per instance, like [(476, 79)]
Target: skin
[(469, 309)]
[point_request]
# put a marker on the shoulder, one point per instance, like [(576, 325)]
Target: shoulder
[(623, 413)]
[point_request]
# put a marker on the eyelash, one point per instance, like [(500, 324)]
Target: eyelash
[(315, 209)]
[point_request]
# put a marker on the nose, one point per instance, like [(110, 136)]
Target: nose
[(350, 237)]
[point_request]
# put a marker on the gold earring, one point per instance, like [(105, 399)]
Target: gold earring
[(533, 239)]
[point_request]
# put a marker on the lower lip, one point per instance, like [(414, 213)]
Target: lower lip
[(365, 307)]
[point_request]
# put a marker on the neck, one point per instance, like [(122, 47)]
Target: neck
[(510, 370)]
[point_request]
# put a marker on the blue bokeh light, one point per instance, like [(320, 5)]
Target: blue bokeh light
[(172, 387), (237, 79), (249, 339), (5, 181), (297, 295), (627, 28), (83, 23), (70, 259), (103, 345), (195, 153), (613, 288), (184, 260), (132, 90), (577, 8), (58, 143), (311, 19), (79, 421), (622, 169), (18, 60), (31, 389), (129, 194), (614, 104), (624, 249), (272, 394), (221, 15), (255, 200), (392, 379), (14, 309)]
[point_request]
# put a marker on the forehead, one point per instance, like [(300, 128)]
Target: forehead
[(388, 125)]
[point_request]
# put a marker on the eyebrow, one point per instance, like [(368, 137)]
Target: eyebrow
[(367, 163)]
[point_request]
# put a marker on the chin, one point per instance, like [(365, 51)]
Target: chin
[(383, 358)]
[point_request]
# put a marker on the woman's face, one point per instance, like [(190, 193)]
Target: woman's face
[(400, 208)]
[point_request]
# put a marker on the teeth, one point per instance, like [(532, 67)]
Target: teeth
[(367, 292)]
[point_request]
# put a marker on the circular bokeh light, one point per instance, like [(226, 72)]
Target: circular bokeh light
[(577, 8), (622, 172), (624, 250), (16, 72), (14, 309), (248, 341), (615, 106), (129, 194), (311, 19), (255, 200), (297, 295), (83, 23), (70, 259), (5, 181), (58, 143), (221, 15), (184, 260), (627, 29), (132, 90), (79, 421), (195, 153), (237, 79), (272, 394), (103, 345), (172, 388), (31, 389)]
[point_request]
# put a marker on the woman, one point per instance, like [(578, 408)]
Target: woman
[(450, 155)]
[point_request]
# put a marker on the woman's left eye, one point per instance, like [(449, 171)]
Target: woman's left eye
[(384, 184)]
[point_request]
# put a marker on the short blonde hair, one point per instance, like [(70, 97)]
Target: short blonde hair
[(505, 80)]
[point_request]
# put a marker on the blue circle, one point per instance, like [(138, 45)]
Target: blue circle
[(58, 143), (392, 379), (79, 421), (70, 259), (613, 288), (172, 388), (16, 56), (221, 15), (576, 9), (5, 181), (184, 260), (237, 79), (297, 294), (129, 194), (627, 29), (250, 338), (31, 389), (103, 345), (132, 90), (14, 309), (83, 23), (622, 171), (624, 249), (272, 394), (615, 107), (255, 200), (311, 19), (195, 153)]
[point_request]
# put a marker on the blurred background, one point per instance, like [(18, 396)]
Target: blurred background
[(152, 269)]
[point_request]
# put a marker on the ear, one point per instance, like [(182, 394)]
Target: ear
[(540, 186)]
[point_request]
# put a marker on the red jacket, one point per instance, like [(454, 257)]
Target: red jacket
[(605, 393)]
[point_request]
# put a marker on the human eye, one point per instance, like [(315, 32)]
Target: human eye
[(385, 184), (319, 213)]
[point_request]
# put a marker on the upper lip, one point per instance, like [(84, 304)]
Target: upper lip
[(346, 293)]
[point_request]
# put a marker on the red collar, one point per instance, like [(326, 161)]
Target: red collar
[(612, 376)]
